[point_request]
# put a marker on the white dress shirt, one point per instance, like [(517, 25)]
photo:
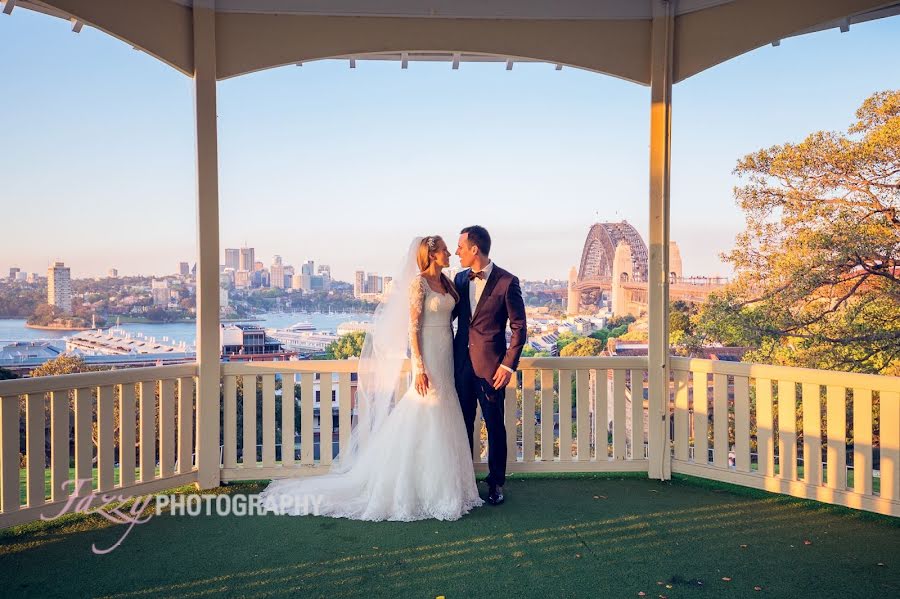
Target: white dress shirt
[(476, 289), (476, 286)]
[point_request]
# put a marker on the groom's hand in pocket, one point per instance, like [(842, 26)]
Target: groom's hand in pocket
[(501, 378)]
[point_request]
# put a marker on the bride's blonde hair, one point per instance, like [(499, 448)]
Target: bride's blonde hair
[(427, 247)]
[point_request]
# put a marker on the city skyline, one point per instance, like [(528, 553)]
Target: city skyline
[(342, 164)]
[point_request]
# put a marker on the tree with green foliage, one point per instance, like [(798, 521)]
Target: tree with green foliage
[(565, 339), (348, 346), (584, 347), (818, 267)]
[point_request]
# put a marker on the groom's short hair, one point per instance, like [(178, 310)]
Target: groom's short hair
[(479, 237)]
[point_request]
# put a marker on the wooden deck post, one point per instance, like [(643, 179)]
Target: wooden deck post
[(663, 30)]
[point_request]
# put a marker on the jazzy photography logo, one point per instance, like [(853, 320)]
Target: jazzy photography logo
[(143, 507)]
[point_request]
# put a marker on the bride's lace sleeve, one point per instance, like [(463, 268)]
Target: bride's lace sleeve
[(416, 308)]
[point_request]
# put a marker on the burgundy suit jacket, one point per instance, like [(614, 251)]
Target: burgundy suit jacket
[(481, 337)]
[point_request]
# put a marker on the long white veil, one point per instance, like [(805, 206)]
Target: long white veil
[(384, 352)]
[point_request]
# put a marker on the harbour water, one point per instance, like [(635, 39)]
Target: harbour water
[(15, 330)]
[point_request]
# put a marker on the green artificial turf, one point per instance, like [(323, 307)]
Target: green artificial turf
[(556, 536)]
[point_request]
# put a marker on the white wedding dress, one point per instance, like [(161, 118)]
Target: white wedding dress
[(418, 464)]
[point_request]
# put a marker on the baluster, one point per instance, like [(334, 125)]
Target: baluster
[(185, 424), (787, 430), (268, 420), (546, 415), (601, 414), (166, 428), (59, 445), (812, 434), (742, 423), (326, 422), (287, 420), (127, 440), (890, 445), (84, 445), (619, 441), (307, 401), (248, 382), (229, 418), (836, 427), (565, 415), (682, 407), (636, 383), (9, 454), (862, 441), (765, 428), (582, 415), (528, 432), (720, 420), (344, 414), (106, 438), (35, 438), (701, 417)]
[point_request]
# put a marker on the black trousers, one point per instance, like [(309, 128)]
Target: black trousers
[(471, 389)]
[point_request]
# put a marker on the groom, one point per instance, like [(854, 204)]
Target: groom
[(483, 365)]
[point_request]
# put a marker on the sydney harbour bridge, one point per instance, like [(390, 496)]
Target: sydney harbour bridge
[(614, 266)]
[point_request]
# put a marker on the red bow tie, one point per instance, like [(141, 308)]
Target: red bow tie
[(476, 275)]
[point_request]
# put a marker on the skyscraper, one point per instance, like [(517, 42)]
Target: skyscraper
[(277, 271), (112, 273), (373, 283), (184, 269), (325, 271), (248, 260), (359, 283), (13, 271), (59, 287), (308, 268), (232, 258)]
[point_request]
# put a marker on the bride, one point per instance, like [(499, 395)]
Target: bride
[(408, 457)]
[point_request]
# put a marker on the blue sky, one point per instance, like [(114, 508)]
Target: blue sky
[(345, 166)]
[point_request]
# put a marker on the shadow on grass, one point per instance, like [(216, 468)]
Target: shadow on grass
[(560, 535)]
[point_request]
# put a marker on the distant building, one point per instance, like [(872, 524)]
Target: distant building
[(32, 277), (277, 273), (325, 271), (386, 284), (184, 269), (246, 341), (373, 283), (247, 259), (159, 290), (297, 282), (308, 268), (13, 271), (233, 258), (242, 279), (258, 266), (359, 283), (112, 273), (223, 298), (59, 287), (21, 276)]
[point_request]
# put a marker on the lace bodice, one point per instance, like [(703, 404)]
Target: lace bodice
[(427, 308)]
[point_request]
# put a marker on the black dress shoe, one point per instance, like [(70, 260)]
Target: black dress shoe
[(495, 495)]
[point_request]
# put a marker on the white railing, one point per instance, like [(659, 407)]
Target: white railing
[(560, 415), (133, 433), (789, 414)]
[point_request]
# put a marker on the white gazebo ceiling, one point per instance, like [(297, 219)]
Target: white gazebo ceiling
[(606, 36)]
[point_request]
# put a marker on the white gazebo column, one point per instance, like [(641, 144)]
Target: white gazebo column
[(208, 351), (663, 30)]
